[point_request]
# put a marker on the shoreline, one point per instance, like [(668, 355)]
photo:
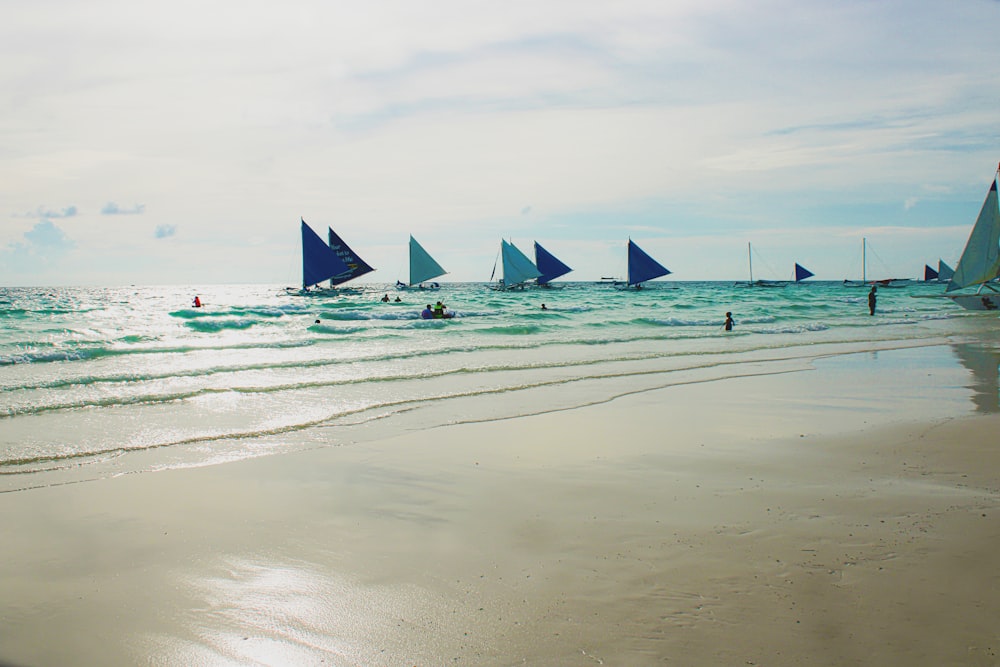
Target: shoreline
[(749, 520)]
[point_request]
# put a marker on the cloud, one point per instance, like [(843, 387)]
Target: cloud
[(112, 208), (46, 236), (165, 231), (46, 213)]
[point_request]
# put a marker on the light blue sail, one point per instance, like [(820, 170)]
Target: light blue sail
[(355, 265), (517, 268), (642, 267), (548, 265), (422, 265), (980, 261), (319, 261)]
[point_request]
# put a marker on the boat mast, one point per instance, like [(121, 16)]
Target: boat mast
[(750, 261), (864, 259)]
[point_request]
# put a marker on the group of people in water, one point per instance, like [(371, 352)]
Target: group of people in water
[(438, 312)]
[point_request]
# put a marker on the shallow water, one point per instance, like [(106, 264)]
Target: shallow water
[(99, 381)]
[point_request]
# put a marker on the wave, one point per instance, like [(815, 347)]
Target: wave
[(215, 325)]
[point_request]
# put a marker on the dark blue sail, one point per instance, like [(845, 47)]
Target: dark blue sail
[(801, 272), (549, 265), (319, 261), (355, 265), (642, 267), (929, 273)]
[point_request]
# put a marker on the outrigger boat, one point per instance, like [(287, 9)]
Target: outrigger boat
[(980, 261)]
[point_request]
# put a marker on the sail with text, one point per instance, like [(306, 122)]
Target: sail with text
[(319, 261), (355, 265)]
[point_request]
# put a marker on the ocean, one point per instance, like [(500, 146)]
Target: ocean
[(106, 381)]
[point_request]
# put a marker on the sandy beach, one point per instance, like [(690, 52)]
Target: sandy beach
[(744, 521)]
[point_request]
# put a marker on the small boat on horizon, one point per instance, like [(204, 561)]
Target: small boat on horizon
[(865, 282), (799, 273), (942, 273)]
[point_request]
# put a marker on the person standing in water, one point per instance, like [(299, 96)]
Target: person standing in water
[(729, 321), (871, 301)]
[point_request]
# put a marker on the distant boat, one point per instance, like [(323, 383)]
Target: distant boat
[(641, 267), (355, 265), (517, 268), (423, 267), (980, 261), (319, 261), (942, 273), (759, 283), (548, 265), (865, 282)]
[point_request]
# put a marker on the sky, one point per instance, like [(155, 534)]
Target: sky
[(182, 142)]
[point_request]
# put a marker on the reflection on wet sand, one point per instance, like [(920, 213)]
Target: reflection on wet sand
[(984, 363)]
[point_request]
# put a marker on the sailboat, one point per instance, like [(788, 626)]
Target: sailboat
[(641, 267), (980, 261), (319, 262), (422, 267), (865, 282), (942, 273), (517, 268), (759, 283), (355, 265), (801, 273), (549, 266)]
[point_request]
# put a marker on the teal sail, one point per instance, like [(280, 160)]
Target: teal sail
[(355, 265), (944, 271), (980, 261), (548, 265), (801, 272), (319, 261), (517, 268), (422, 265), (642, 267)]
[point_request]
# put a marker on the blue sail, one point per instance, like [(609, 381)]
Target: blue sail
[(642, 267), (355, 265), (801, 272), (548, 265), (929, 273), (422, 265), (319, 261)]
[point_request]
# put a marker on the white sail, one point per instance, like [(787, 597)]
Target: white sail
[(980, 261), (422, 265), (517, 268)]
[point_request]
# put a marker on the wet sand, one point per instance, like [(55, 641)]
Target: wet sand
[(747, 521)]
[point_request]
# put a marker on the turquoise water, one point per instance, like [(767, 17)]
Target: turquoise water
[(97, 381)]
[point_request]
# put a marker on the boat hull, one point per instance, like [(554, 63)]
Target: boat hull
[(977, 301)]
